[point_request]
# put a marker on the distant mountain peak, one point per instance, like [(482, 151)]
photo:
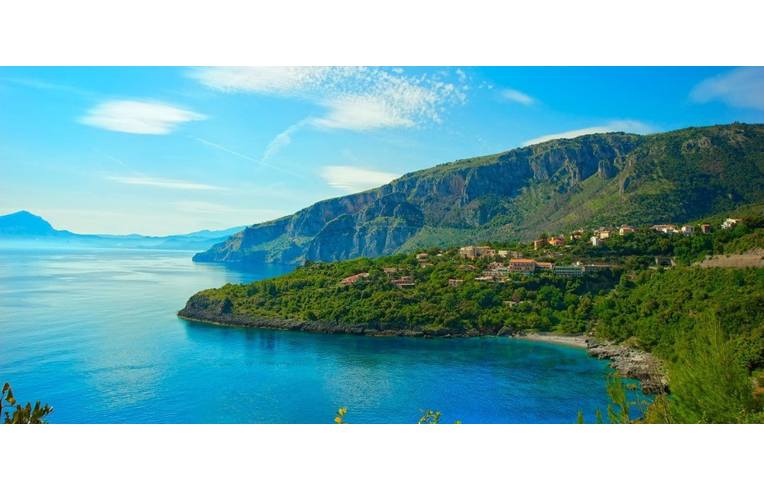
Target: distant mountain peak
[(25, 223)]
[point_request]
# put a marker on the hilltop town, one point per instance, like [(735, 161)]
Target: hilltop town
[(547, 254)]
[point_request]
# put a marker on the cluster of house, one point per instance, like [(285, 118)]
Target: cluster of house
[(391, 272), (474, 252), (604, 233), (498, 272)]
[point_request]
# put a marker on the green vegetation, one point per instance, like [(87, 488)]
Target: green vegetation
[(706, 324), (313, 292), (22, 414)]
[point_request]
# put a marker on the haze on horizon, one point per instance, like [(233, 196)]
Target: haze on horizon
[(161, 151)]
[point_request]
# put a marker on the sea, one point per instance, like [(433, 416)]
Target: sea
[(94, 333)]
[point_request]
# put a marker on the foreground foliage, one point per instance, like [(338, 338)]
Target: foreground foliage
[(23, 414)]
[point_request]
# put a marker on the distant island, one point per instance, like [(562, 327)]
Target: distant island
[(24, 228), (559, 185)]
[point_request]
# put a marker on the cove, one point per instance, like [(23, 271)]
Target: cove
[(94, 333)]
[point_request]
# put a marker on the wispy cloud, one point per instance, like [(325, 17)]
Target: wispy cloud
[(128, 116), (513, 95), (240, 155), (356, 98), (742, 88), (162, 183), (348, 178), (629, 126), (43, 85), (282, 140), (356, 112)]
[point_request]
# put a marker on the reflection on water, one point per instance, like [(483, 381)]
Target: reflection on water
[(94, 333)]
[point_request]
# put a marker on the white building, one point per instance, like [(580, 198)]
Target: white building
[(596, 241), (729, 223)]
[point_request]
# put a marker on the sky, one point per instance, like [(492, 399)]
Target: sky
[(167, 150)]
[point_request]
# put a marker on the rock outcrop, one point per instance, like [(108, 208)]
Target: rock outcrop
[(631, 363)]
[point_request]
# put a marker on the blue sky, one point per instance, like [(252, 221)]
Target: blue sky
[(171, 150)]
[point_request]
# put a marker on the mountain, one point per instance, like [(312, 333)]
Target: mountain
[(25, 224), (25, 227), (601, 179)]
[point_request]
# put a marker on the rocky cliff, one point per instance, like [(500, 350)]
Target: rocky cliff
[(604, 179)]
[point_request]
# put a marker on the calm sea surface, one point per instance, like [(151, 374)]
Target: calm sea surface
[(94, 333)]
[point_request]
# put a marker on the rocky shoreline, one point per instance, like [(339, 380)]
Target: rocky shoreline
[(628, 361), (631, 363)]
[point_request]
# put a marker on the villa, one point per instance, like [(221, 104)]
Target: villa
[(705, 228), (729, 223), (405, 281), (538, 244), (569, 270), (353, 279), (521, 265), (596, 241), (472, 252), (625, 229), (688, 230), (665, 228)]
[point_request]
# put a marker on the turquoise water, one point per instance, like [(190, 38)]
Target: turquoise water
[(94, 333)]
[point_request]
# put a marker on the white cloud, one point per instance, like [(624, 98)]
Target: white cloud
[(162, 183), (629, 126), (514, 95), (263, 80), (281, 140), (742, 88), (362, 113), (356, 98), (138, 117), (352, 179)]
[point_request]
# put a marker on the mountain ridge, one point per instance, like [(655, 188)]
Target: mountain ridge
[(26, 226), (607, 179)]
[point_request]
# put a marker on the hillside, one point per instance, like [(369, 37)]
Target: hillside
[(603, 179)]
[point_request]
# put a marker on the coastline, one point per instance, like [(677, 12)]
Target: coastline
[(579, 341), (628, 361)]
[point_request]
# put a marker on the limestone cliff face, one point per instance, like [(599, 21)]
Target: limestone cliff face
[(520, 190)]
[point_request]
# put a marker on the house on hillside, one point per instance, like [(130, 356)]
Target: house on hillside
[(626, 229), (665, 228), (390, 270), (503, 253), (556, 241), (688, 230), (538, 244), (544, 265), (729, 223), (421, 256), (596, 241), (405, 281), (705, 228), (455, 282), (522, 265), (473, 252), (353, 279), (569, 270)]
